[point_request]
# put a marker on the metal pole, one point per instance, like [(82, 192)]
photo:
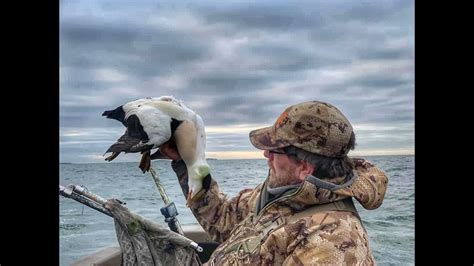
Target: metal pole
[(70, 192), (82, 190), (80, 194), (173, 222), (161, 189)]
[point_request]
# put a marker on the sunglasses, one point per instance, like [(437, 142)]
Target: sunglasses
[(276, 151), (291, 156)]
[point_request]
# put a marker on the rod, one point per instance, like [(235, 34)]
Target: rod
[(82, 195), (173, 223), (70, 192)]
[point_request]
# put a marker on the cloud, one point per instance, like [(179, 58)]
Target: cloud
[(109, 75), (236, 63)]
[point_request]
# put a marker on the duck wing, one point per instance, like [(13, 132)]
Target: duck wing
[(123, 144), (126, 143), (135, 128)]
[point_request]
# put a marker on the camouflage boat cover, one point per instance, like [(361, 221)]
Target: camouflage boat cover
[(144, 242)]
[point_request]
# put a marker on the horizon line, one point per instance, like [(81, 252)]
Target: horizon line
[(254, 155)]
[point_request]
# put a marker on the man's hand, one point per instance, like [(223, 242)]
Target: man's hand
[(170, 150)]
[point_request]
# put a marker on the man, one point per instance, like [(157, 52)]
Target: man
[(303, 213)]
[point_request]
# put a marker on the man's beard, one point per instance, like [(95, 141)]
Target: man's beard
[(283, 179)]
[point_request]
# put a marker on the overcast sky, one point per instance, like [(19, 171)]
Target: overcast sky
[(238, 64)]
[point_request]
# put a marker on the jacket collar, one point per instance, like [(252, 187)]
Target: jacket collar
[(367, 181)]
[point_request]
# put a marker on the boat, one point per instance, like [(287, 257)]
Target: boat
[(112, 255)]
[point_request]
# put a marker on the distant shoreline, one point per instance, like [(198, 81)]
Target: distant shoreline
[(216, 159)]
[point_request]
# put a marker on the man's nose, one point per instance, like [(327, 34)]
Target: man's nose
[(267, 154)]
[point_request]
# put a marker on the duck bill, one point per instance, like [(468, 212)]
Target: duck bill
[(191, 199)]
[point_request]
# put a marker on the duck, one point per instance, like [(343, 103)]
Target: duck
[(152, 121)]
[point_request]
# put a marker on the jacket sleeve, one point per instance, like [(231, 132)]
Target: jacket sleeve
[(214, 212)]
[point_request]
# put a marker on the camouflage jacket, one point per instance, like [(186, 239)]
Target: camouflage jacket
[(328, 237)]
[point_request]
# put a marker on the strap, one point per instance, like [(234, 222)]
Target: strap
[(340, 205)]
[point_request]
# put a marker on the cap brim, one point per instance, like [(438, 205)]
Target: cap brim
[(265, 139)]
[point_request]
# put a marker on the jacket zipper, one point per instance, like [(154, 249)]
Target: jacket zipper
[(278, 200)]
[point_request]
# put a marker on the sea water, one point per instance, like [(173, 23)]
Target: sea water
[(84, 230)]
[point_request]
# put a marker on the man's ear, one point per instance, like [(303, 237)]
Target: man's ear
[(306, 169)]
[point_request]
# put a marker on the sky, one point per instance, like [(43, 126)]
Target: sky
[(238, 64)]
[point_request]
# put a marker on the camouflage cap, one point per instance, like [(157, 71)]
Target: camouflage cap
[(313, 126)]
